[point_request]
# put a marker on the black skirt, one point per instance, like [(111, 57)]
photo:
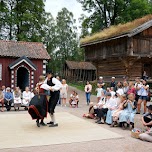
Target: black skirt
[(38, 107)]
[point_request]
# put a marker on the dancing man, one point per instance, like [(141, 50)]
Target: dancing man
[(54, 96)]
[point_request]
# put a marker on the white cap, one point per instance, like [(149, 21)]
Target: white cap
[(113, 78), (100, 77)]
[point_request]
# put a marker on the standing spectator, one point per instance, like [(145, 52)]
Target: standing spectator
[(8, 98), (88, 89), (144, 76), (143, 96), (131, 88), (63, 92), (125, 87), (17, 98), (113, 83), (138, 85), (101, 82), (99, 92), (2, 99), (26, 98)]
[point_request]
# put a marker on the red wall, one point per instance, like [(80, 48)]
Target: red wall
[(6, 72)]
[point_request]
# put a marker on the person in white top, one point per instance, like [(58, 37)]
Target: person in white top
[(143, 91), (17, 98), (113, 93), (55, 86), (26, 98), (63, 92), (109, 105), (88, 89), (99, 91)]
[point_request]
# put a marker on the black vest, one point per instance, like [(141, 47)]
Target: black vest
[(50, 83)]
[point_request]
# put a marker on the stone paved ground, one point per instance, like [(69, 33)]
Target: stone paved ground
[(127, 144)]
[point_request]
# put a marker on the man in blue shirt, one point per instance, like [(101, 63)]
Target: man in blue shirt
[(8, 98)]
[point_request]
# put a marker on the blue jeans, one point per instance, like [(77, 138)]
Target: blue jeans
[(88, 97)]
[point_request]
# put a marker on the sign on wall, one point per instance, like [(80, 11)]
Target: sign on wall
[(0, 71)]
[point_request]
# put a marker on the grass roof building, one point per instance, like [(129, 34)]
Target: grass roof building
[(122, 50)]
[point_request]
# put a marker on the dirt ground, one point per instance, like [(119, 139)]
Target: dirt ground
[(126, 144)]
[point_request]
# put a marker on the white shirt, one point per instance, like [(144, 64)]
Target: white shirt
[(57, 83), (139, 85), (110, 103), (143, 91), (27, 95), (120, 91)]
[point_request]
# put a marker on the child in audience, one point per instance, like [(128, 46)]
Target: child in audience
[(90, 114)]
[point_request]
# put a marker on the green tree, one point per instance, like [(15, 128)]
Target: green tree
[(23, 20), (66, 39), (104, 13)]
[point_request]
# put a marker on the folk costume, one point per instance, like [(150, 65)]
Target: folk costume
[(38, 106), (55, 85)]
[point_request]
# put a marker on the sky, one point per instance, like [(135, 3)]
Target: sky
[(54, 6)]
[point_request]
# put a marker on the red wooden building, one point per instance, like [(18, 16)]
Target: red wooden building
[(21, 63)]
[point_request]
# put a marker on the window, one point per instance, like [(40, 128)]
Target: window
[(0, 71)]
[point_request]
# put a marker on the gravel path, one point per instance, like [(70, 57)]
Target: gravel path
[(127, 144)]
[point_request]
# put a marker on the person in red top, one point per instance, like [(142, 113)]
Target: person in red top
[(38, 106), (131, 88)]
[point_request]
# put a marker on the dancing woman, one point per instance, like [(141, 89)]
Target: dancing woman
[(39, 105)]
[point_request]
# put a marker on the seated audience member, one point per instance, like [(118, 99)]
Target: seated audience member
[(147, 136), (119, 88), (126, 117), (2, 99), (110, 103), (3, 89), (71, 97), (113, 93), (8, 98), (26, 98), (75, 100), (147, 118), (17, 98), (117, 112), (90, 114), (111, 109), (100, 104)]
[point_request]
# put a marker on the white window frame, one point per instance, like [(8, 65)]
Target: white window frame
[(0, 71)]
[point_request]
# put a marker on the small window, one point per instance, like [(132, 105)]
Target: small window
[(0, 71)]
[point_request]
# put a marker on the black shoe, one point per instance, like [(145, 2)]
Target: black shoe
[(53, 125), (97, 121), (42, 123), (37, 123), (100, 122), (50, 123)]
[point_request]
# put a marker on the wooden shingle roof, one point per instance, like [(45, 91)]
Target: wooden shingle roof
[(80, 65), (113, 32), (33, 50)]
